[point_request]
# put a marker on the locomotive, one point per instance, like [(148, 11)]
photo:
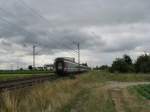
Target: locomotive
[(63, 66)]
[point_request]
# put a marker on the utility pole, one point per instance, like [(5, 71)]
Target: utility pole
[(78, 46), (34, 46), (34, 54), (78, 53)]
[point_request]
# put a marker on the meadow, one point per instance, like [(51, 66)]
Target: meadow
[(95, 91), (9, 74), (143, 90), (23, 71)]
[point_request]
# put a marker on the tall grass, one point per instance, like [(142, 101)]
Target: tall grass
[(47, 97), (86, 93), (103, 76)]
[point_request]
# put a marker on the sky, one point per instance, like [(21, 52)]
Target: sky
[(105, 29)]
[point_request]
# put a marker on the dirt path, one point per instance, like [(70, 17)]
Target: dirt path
[(114, 84), (108, 97), (118, 100), (116, 93)]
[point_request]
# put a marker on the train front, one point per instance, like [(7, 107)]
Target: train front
[(59, 66)]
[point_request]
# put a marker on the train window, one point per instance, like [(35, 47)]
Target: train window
[(60, 66)]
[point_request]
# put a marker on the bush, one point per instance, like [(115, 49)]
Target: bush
[(122, 65), (127, 59), (143, 64), (119, 65), (104, 67), (30, 67)]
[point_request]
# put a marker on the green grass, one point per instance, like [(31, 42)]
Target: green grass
[(140, 101), (90, 100), (63, 95), (102, 76), (16, 76), (8, 75), (98, 76), (143, 90), (85, 93), (23, 72)]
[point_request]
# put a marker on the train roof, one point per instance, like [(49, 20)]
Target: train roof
[(69, 59), (66, 58)]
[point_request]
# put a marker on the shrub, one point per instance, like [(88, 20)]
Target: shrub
[(143, 64), (122, 65)]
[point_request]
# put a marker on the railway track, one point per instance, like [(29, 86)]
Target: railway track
[(25, 82)]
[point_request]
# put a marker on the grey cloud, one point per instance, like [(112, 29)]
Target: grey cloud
[(66, 21), (87, 12)]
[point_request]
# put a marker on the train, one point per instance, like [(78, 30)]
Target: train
[(65, 66)]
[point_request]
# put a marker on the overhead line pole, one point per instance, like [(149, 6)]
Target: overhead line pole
[(78, 46), (36, 13), (78, 53), (34, 46)]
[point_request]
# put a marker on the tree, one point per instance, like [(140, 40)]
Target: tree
[(104, 67), (30, 67), (143, 64), (122, 65), (119, 65), (84, 64), (127, 59), (21, 69)]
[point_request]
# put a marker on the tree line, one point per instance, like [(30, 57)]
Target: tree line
[(126, 64)]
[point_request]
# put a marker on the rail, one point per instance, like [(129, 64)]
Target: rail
[(25, 82)]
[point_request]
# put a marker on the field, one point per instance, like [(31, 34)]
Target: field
[(23, 71), (95, 91), (8, 75), (143, 90)]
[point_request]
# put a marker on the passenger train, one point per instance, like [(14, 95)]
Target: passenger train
[(63, 66)]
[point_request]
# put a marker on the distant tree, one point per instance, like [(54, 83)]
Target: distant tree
[(143, 64), (127, 59), (119, 65), (30, 67), (21, 69), (84, 64), (104, 67), (123, 65), (96, 68)]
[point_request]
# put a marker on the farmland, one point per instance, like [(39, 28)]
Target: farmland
[(143, 90), (95, 91), (22, 71), (8, 75)]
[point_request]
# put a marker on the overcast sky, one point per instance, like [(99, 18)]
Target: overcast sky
[(106, 29)]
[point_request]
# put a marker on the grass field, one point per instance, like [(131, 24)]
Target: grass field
[(90, 92), (143, 90), (8, 75), (23, 71)]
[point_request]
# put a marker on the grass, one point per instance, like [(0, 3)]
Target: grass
[(85, 93), (7, 75), (42, 98), (16, 76), (102, 76), (23, 71), (138, 103), (143, 90)]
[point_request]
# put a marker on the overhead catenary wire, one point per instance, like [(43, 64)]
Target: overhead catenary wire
[(22, 29), (16, 25), (36, 13)]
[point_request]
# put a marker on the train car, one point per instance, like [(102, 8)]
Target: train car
[(65, 66)]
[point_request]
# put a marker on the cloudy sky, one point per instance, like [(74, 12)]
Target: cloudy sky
[(106, 29)]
